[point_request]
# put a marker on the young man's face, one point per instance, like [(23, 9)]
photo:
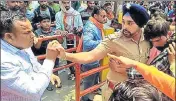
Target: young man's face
[(91, 4), (108, 8), (43, 4), (22, 34), (129, 27), (66, 4), (159, 42), (45, 24), (101, 17)]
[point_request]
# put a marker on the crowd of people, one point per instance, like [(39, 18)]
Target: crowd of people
[(141, 51)]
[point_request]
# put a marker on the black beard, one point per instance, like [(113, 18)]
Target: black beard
[(67, 8), (91, 8), (43, 6), (16, 8), (129, 33)]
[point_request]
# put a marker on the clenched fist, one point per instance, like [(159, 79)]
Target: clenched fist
[(52, 52)]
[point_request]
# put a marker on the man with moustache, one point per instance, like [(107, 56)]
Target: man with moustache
[(22, 77), (13, 5), (85, 14), (130, 43)]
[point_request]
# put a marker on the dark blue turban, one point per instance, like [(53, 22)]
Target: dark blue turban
[(138, 13)]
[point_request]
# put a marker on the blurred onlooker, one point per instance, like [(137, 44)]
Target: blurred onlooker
[(13, 5), (42, 9), (44, 30), (54, 5), (116, 25), (108, 8), (68, 20), (24, 8), (85, 14)]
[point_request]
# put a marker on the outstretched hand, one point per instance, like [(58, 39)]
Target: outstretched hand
[(123, 62)]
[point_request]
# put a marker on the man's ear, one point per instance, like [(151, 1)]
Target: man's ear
[(9, 37), (95, 16)]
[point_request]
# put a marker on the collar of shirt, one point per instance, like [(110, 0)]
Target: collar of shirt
[(9, 47)]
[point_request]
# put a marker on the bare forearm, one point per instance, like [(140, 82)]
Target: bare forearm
[(83, 57), (37, 45)]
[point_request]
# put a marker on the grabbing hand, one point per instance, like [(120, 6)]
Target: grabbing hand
[(123, 62), (115, 66), (171, 52), (52, 52)]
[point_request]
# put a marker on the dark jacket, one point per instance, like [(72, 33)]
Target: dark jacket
[(37, 13)]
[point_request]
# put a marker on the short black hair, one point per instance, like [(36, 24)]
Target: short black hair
[(43, 17), (107, 4), (135, 90), (97, 10), (7, 19), (158, 12), (156, 27), (90, 1)]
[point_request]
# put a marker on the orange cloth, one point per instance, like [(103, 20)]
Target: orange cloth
[(160, 80), (110, 15), (64, 22), (97, 24)]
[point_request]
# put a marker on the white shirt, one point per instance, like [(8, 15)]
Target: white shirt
[(22, 77)]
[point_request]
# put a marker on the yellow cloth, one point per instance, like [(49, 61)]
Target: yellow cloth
[(172, 68)]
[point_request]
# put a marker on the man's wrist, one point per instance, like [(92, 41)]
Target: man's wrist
[(65, 57)]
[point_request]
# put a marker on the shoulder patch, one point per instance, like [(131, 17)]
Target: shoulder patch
[(113, 36)]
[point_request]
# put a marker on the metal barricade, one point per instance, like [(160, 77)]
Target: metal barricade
[(78, 74)]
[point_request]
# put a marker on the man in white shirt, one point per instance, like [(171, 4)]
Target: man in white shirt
[(22, 77)]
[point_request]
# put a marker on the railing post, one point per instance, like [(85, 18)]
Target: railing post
[(78, 79)]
